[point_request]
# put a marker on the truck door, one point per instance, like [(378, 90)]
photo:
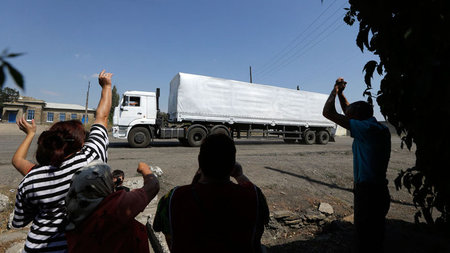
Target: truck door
[(130, 109)]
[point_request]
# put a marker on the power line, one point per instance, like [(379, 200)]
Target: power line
[(304, 49), (300, 43), (276, 56)]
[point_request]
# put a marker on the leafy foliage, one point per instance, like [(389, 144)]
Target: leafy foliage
[(8, 95), (16, 75), (114, 103), (412, 41)]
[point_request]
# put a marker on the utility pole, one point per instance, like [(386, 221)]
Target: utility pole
[(86, 108), (251, 81)]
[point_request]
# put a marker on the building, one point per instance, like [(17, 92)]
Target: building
[(43, 112)]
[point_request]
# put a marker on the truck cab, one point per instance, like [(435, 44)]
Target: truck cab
[(136, 108)]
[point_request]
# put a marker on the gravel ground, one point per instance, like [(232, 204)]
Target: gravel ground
[(294, 177)]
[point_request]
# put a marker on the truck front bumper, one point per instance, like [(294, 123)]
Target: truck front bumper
[(119, 132)]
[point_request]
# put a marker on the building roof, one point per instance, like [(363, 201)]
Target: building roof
[(66, 106)]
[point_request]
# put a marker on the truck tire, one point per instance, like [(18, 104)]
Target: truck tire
[(309, 137), (220, 129), (323, 137), (139, 137), (196, 136)]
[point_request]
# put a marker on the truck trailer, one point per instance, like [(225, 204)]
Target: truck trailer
[(203, 105)]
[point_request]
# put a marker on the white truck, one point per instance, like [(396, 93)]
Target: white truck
[(201, 105)]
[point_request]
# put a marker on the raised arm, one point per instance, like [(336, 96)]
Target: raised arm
[(19, 160), (342, 99), (329, 110), (238, 174), (104, 105), (151, 183)]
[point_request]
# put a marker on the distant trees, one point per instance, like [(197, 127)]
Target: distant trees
[(412, 41), (8, 95), (114, 103)]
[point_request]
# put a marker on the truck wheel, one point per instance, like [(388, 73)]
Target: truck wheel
[(139, 137), (309, 137), (323, 137), (196, 136), (219, 129)]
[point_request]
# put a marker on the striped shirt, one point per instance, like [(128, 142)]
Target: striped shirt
[(41, 195)]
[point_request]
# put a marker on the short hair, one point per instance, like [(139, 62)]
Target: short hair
[(361, 110), (217, 156), (62, 139), (118, 173)]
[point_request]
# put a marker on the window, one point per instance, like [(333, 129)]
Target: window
[(73, 116), (62, 117), (135, 101), (30, 114), (131, 101), (50, 116)]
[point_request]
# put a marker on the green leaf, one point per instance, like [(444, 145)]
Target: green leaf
[(362, 38), (417, 216), (16, 75), (14, 55), (408, 33), (398, 180), (369, 68), (380, 69), (2, 76)]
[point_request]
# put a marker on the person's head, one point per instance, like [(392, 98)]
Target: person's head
[(61, 140), (118, 177), (90, 185), (359, 110), (217, 156)]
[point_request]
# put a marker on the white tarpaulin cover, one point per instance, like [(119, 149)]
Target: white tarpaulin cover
[(203, 98)]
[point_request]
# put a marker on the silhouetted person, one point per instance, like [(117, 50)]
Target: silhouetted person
[(371, 153), (101, 220), (213, 214), (118, 177)]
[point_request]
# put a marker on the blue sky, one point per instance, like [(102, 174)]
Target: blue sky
[(146, 42)]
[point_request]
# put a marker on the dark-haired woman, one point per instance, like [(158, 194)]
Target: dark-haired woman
[(62, 150)]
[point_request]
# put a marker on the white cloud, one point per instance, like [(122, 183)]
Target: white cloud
[(89, 77), (51, 93)]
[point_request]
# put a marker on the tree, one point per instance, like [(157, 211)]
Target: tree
[(114, 103), (16, 75), (8, 95), (412, 41)]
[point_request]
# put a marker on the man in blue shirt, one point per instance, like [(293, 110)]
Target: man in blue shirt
[(371, 152)]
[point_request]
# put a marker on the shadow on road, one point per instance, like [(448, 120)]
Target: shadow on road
[(334, 186), (401, 236), (310, 179)]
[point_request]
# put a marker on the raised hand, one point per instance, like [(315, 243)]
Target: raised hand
[(25, 126), (104, 78), (143, 169)]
